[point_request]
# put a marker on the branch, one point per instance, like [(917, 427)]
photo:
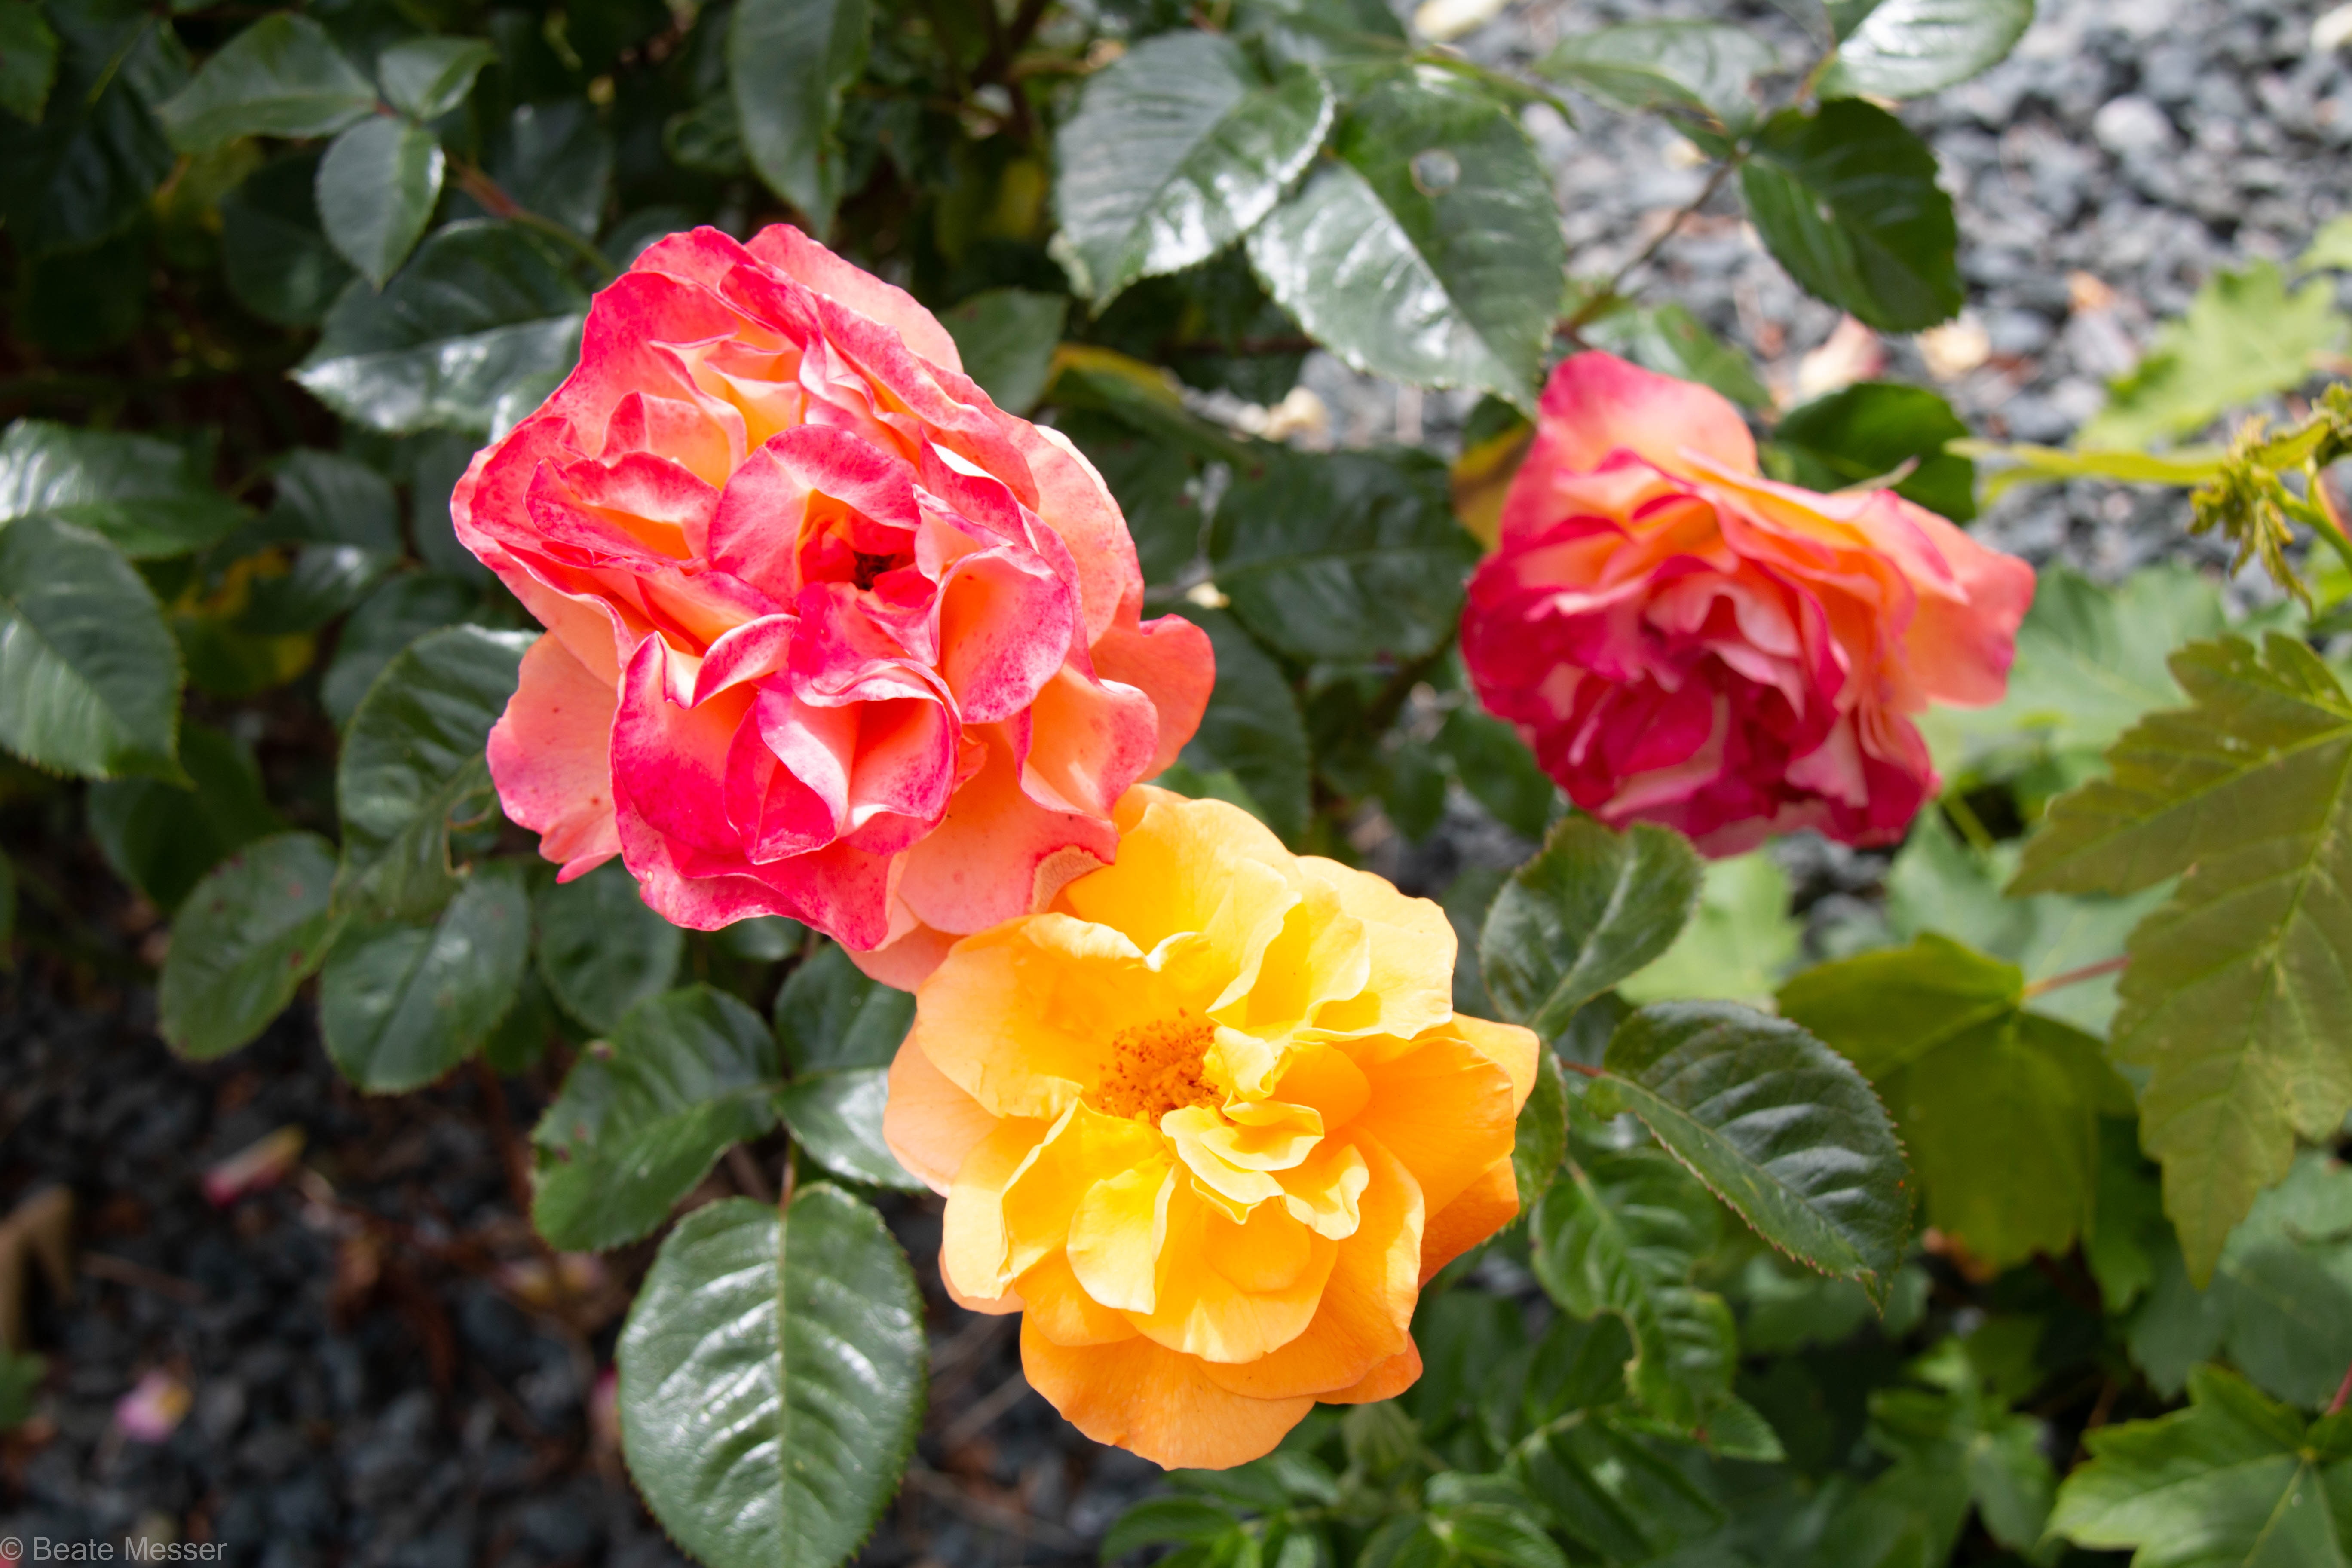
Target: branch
[(1602, 297)]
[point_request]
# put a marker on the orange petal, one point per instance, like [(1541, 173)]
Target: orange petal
[(1445, 1109), (1365, 1316), (1510, 1047), (988, 1305), (1482, 1208), (1060, 1309), (1082, 1149), (973, 1239), (1151, 1401), (1386, 1380), (931, 1125), (1231, 1293)]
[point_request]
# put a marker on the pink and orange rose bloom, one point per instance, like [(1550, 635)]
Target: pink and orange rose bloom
[(1683, 641), (829, 634), (1209, 1124)]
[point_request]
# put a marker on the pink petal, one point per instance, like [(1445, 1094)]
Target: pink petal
[(549, 757), (1170, 661)]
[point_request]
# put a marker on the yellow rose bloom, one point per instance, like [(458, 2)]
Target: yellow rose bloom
[(1210, 1122)]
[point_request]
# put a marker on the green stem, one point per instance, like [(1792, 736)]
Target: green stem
[(2326, 519), (1608, 293), (493, 199), (1446, 61)]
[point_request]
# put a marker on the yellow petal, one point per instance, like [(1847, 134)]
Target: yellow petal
[(1190, 866), (1060, 1309), (1322, 1077), (1507, 1045), (1364, 1314), (1190, 1127), (1079, 1150), (1202, 1311), (1265, 1134), (1409, 947), (1154, 1402), (1021, 1016), (1320, 957), (929, 1123), (1326, 1193), (973, 1239), (1116, 1235)]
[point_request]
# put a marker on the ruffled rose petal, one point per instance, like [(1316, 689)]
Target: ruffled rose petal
[(549, 757), (1155, 1402)]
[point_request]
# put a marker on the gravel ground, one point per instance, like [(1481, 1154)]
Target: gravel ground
[(371, 1380)]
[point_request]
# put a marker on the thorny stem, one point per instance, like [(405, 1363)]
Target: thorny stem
[(792, 1177), (494, 200), (2076, 976), (1606, 293), (2342, 1394)]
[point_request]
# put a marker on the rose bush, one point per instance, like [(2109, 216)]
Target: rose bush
[(1210, 1122), (1683, 641), (829, 634)]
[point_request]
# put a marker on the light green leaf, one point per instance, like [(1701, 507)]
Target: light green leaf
[(377, 186), (2243, 337), (247, 934), (2028, 464), (426, 78), (2283, 1289), (1998, 1108), (149, 498), (90, 677), (1591, 909), (1705, 68), (1344, 555), (1672, 342), (1006, 338), (161, 838), (788, 64), (1739, 942), (400, 1004), (1846, 200), (830, 1016), (1252, 727), (412, 765), (481, 308), (1429, 250), (1876, 428), (2228, 1000), (281, 77), (2233, 1481), (688, 1076), (28, 59), (773, 1380), (1176, 151), (601, 950), (1908, 49), (1620, 1233), (2330, 247), (1776, 1124), (835, 1116), (273, 255)]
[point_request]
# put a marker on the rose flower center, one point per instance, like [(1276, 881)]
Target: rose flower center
[(1156, 1068)]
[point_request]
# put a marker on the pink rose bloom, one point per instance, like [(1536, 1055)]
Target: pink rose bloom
[(829, 633), (1683, 641)]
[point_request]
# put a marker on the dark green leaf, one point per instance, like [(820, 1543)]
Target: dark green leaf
[(162, 837), (1590, 910), (837, 1118), (387, 621), (2233, 1479), (1006, 338), (829, 1016), (1620, 1233), (248, 934), (1846, 200), (400, 1004), (688, 1076), (1613, 1490), (1777, 1125), (2232, 984), (1705, 68), (1155, 483), (1430, 248), (555, 160), (412, 764), (1496, 1536), (1175, 152), (1252, 727), (327, 499), (1998, 1108), (1873, 428), (1905, 49), (85, 174), (377, 186), (481, 308), (90, 678), (2284, 1287), (805, 1331), (149, 498), (788, 64), (1495, 766), (28, 59), (601, 949), (1541, 1142), (281, 77), (273, 252), (1343, 556), (1672, 342), (520, 1039), (1167, 1521), (426, 78)]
